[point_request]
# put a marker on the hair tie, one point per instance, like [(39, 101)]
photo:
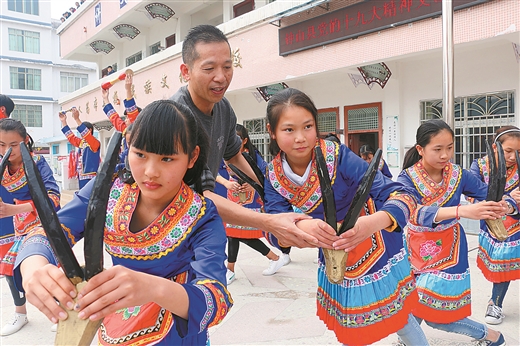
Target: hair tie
[(506, 131)]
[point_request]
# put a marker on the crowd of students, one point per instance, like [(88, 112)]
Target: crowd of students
[(166, 222), (71, 10)]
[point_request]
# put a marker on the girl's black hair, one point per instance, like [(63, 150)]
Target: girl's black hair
[(279, 102), (243, 134), (89, 126), (332, 137), (366, 149), (166, 127), (512, 131), (10, 124), (425, 132)]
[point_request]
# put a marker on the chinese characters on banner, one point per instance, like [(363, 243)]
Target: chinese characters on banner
[(392, 144), (359, 19)]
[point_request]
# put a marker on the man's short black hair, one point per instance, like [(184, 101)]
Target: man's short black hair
[(7, 103), (201, 33)]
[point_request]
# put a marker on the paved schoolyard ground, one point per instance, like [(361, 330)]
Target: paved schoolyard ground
[(280, 309)]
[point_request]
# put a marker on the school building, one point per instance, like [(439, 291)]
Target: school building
[(33, 74), (373, 68)]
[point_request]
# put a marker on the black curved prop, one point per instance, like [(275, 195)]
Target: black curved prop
[(327, 194), (259, 174), (5, 162), (361, 195), (497, 172), (97, 207), (49, 220), (245, 177)]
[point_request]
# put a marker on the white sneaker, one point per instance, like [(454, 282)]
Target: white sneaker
[(54, 327), (274, 266), (230, 277), (286, 259), (494, 314), (15, 325)]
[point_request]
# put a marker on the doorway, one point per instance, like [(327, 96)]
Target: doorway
[(363, 125), (357, 140)]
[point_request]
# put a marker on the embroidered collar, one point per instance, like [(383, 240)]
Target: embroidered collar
[(162, 236), (17, 180), (307, 196), (435, 194)]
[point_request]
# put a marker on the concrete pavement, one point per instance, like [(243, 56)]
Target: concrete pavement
[(280, 309)]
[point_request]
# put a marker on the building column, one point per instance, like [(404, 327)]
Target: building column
[(260, 3), (227, 11), (183, 27)]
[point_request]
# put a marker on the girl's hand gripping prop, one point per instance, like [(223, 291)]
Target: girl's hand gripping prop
[(122, 76), (336, 260), (74, 331), (244, 177)]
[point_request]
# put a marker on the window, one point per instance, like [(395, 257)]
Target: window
[(243, 7), (55, 149), (24, 41), (170, 40), (134, 58), (259, 136), (29, 115), (23, 6), (25, 78), (155, 48), (476, 120), (70, 148), (72, 81), (327, 120)]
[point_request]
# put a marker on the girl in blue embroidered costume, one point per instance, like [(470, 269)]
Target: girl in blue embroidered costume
[(377, 294), (499, 261), (435, 239), (167, 243), (22, 213)]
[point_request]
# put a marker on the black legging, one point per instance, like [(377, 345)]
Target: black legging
[(18, 297), (234, 244)]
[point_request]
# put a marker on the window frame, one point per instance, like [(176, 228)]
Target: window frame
[(37, 116), (26, 38), (83, 80), (477, 117), (21, 6), (36, 79), (154, 48), (134, 56), (238, 9)]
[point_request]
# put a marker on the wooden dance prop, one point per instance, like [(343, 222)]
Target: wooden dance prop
[(122, 76), (336, 260), (244, 177), (75, 331), (496, 186)]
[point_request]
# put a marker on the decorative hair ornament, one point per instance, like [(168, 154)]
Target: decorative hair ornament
[(503, 133)]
